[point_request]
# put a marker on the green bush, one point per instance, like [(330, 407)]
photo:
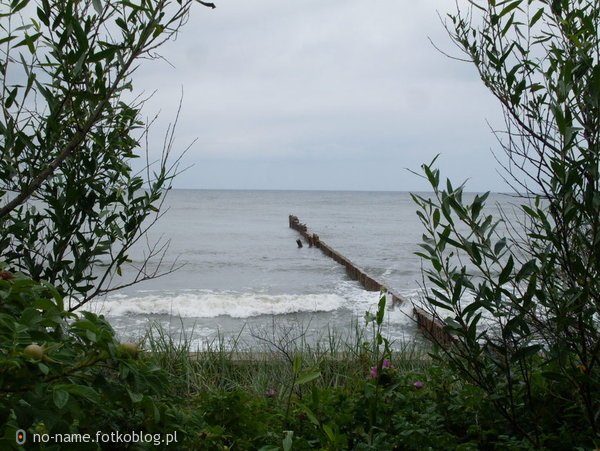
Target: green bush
[(78, 379), (235, 419), (430, 409), (391, 406), (520, 292)]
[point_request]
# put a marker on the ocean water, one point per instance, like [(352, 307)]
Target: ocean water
[(242, 275)]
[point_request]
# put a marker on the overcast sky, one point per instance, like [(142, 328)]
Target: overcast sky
[(335, 94)]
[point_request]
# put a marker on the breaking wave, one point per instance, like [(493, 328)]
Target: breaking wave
[(209, 304)]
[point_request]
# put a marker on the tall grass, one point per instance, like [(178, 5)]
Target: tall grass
[(266, 367)]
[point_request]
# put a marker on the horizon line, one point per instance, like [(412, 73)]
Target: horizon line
[(330, 190)]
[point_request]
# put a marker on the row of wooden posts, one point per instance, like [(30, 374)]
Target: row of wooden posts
[(425, 321)]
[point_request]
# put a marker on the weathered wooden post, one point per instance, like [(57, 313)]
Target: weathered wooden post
[(354, 272), (430, 326)]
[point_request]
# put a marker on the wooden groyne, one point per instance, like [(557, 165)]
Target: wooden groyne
[(353, 270), (430, 326)]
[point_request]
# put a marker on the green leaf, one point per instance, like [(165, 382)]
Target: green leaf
[(310, 414), (135, 397), (43, 368), (512, 6), (106, 54), (60, 398), (506, 271), (82, 391), (475, 254), (536, 17), (457, 291), (432, 176), (329, 432), (436, 217), (436, 303), (7, 39), (43, 17), (11, 98), (526, 270), (18, 6), (501, 244), (287, 441), (472, 332), (478, 204), (158, 29), (472, 308), (97, 6), (530, 211), (381, 309), (122, 24), (308, 377)]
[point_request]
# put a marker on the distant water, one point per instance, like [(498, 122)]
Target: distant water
[(244, 274)]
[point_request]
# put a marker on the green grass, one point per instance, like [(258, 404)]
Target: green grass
[(248, 397), (341, 357)]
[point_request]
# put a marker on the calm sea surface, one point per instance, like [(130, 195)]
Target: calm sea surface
[(243, 274)]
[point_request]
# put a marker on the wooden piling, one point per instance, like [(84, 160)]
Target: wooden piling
[(430, 326), (354, 272), (433, 328)]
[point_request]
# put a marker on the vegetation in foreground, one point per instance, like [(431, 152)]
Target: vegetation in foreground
[(351, 394), (520, 292)]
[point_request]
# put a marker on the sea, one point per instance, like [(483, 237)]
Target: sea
[(240, 279)]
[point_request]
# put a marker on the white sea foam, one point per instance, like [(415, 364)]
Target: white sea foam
[(209, 304), (361, 301)]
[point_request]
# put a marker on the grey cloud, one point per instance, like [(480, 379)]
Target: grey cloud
[(271, 87)]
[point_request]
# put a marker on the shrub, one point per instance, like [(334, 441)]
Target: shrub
[(82, 381), (521, 296)]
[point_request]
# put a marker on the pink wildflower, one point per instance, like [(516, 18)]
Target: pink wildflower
[(373, 373), (270, 393), (418, 385)]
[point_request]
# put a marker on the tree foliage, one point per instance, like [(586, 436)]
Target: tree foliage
[(71, 206), (521, 294)]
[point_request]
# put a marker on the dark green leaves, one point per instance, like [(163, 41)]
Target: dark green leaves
[(528, 324), (69, 117), (17, 6), (505, 274)]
